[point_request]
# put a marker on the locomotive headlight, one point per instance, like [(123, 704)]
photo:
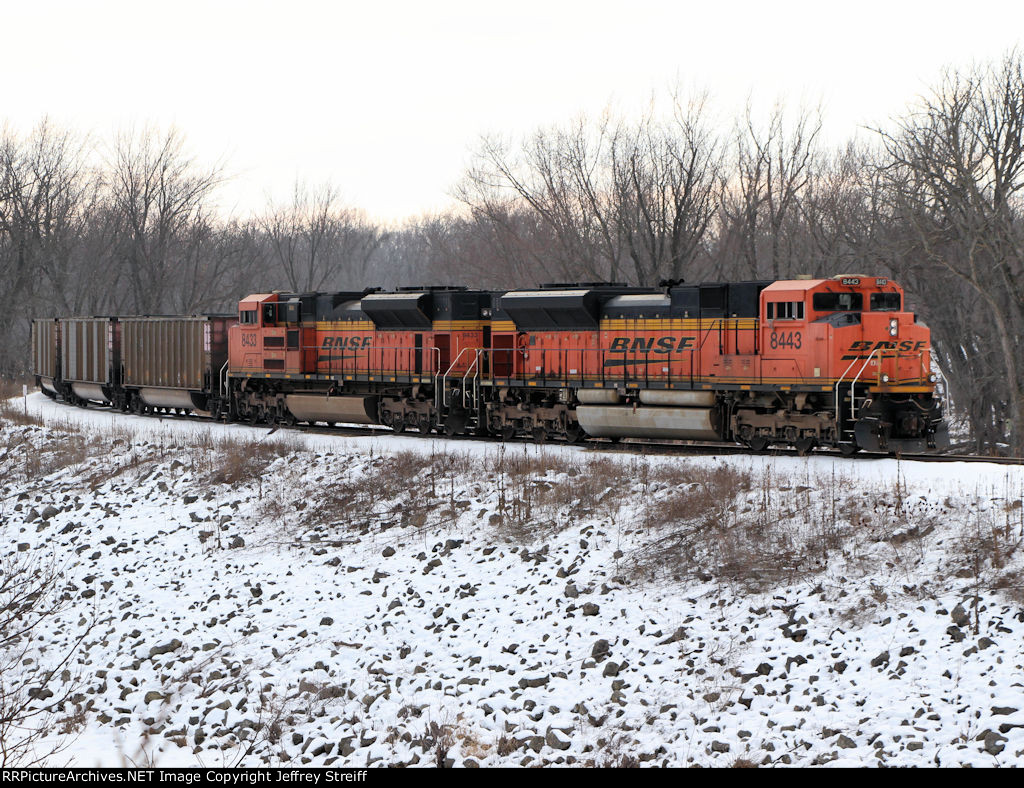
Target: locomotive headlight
[(932, 378), (893, 327), (885, 378)]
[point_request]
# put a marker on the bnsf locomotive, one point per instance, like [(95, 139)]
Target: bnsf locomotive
[(809, 362)]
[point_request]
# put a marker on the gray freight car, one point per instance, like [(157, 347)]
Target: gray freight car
[(90, 358), (174, 363), (46, 355)]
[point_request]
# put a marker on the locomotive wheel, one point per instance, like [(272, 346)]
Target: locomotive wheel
[(848, 449), (540, 435), (508, 432), (758, 443), (423, 425), (804, 445), (398, 424), (574, 434)]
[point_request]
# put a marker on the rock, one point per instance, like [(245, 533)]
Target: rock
[(388, 552), (1000, 711), (955, 633), (539, 681), (845, 742), (326, 621), (611, 669), (23, 547), (535, 743), (719, 746), (189, 499), (601, 650), (764, 669), (881, 659), (49, 511), (590, 609), (992, 742), (675, 637), (153, 695), (557, 740), (570, 590), (236, 542), (960, 616), (172, 645)]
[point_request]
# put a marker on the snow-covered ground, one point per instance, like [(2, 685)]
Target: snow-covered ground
[(249, 598)]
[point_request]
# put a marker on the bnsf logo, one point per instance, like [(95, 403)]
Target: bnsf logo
[(661, 345), (349, 343), (865, 347)]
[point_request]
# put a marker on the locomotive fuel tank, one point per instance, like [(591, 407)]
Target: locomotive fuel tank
[(624, 421)]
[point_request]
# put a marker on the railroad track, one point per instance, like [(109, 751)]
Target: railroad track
[(625, 446)]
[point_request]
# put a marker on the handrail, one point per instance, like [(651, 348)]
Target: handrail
[(437, 371), (444, 377), (475, 377), (853, 384), (838, 381)]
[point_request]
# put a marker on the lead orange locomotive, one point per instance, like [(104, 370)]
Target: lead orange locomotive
[(805, 363)]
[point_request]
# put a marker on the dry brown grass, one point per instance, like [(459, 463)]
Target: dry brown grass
[(237, 461), (540, 493), (12, 409)]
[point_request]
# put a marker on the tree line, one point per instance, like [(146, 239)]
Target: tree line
[(932, 198)]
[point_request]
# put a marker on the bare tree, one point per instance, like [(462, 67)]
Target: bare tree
[(32, 690), (316, 242), (955, 181), (158, 194), (762, 205), (666, 180), (558, 177)]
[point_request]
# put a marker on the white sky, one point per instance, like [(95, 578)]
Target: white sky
[(386, 99)]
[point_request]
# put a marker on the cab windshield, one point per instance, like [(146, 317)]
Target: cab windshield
[(885, 302), (838, 302)]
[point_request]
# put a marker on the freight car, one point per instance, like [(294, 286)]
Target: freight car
[(810, 362), (139, 364)]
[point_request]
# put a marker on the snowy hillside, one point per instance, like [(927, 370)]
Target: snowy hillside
[(245, 598)]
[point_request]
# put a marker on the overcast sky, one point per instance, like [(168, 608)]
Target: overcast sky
[(386, 99)]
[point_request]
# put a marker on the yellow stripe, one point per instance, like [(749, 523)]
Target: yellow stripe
[(345, 325), (677, 324), (460, 325), (503, 325)]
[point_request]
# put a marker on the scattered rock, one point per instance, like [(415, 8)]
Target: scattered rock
[(166, 648)]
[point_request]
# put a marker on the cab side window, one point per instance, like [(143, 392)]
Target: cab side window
[(785, 310)]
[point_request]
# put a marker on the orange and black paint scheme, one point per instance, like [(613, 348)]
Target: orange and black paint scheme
[(807, 363)]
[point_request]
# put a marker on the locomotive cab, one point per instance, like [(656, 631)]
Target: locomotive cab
[(853, 335)]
